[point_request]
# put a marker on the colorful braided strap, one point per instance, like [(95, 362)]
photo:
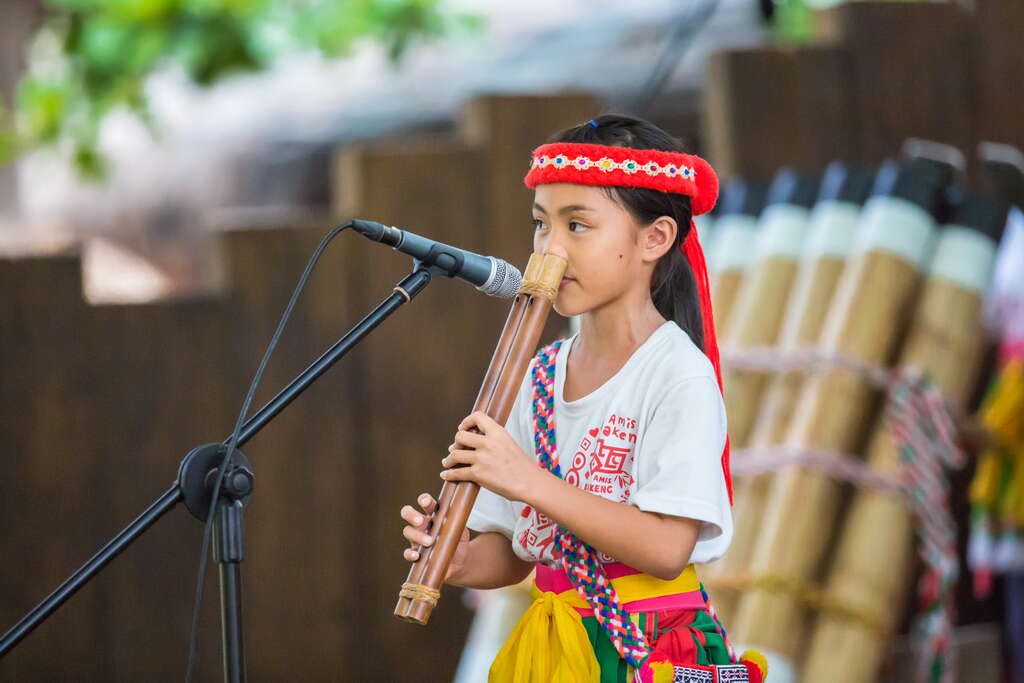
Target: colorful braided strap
[(578, 558)]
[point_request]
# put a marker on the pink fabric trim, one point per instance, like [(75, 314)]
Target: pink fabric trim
[(557, 581), (691, 600)]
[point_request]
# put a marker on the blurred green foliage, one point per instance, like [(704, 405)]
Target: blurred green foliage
[(794, 21), (93, 56)]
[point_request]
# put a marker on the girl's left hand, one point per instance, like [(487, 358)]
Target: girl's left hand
[(496, 461)]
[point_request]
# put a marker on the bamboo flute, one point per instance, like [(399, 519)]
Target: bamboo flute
[(515, 348)]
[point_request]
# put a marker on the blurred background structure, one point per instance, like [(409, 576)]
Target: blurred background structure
[(172, 164)]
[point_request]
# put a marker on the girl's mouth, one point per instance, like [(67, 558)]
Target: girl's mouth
[(565, 281)]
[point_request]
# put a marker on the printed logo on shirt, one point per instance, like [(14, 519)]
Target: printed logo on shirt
[(539, 534), (602, 461), (601, 465)]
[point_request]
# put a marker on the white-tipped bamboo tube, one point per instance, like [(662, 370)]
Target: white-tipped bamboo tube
[(875, 293), (833, 225), (705, 224), (873, 567), (731, 255), (760, 305)]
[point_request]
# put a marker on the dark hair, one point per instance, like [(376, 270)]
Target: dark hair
[(673, 288)]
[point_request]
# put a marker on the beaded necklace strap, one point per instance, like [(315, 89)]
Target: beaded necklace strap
[(580, 559)]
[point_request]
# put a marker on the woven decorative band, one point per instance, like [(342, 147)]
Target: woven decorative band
[(420, 593), (723, 673), (538, 289), (581, 163)]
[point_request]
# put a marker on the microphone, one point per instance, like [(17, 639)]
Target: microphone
[(492, 276)]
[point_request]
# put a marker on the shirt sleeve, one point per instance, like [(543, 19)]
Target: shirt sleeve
[(679, 471), (492, 512)]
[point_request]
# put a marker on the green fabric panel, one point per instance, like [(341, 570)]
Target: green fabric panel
[(615, 670)]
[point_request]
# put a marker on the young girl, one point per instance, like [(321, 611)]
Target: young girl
[(627, 421)]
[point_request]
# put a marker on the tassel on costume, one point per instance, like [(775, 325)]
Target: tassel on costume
[(656, 669), (756, 664)]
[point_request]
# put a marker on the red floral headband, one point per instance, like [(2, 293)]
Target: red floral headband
[(589, 164)]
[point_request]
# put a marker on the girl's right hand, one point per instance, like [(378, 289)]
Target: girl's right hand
[(416, 533)]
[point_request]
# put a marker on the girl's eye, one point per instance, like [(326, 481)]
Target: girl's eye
[(539, 224)]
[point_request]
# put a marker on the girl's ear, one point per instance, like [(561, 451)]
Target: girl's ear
[(658, 238)]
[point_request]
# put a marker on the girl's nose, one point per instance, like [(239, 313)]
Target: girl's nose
[(552, 243), (556, 248)]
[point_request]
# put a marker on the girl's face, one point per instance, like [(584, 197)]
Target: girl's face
[(609, 255)]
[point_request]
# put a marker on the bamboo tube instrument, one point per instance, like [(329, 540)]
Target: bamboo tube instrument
[(735, 231), (872, 300), (873, 567), (760, 304), (515, 348), (705, 224), (833, 226)]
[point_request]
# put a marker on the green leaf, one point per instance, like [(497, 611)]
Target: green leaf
[(89, 162), (110, 48), (44, 105), (215, 48)]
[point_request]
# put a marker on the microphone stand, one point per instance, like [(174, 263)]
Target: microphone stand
[(196, 475)]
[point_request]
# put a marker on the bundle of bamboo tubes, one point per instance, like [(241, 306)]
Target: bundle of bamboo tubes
[(822, 251), (873, 298), (873, 567)]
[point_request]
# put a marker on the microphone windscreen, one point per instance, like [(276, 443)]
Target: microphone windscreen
[(504, 281)]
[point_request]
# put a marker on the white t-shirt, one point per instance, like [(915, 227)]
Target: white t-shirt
[(651, 436)]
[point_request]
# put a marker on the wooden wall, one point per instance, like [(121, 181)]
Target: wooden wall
[(98, 404), (882, 72)]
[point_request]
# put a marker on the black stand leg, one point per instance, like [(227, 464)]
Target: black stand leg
[(227, 551), (103, 556)]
